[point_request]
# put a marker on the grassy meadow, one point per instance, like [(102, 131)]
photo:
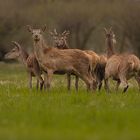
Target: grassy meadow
[(58, 115)]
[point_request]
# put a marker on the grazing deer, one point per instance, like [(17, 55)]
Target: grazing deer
[(121, 67), (67, 60), (29, 61)]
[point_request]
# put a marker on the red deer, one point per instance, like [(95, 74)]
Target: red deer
[(60, 41), (29, 62), (53, 59), (121, 67), (99, 61)]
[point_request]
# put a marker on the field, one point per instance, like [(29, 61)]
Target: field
[(58, 115)]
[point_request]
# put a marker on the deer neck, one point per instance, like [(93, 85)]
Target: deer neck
[(23, 56), (110, 48), (39, 47)]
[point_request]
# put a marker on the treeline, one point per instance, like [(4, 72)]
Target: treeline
[(84, 18)]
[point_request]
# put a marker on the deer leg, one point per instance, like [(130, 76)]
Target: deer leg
[(30, 80), (100, 85), (117, 85), (107, 88), (69, 81), (39, 80), (94, 84), (89, 82), (106, 80), (124, 81), (49, 78), (41, 84), (45, 80), (101, 79), (125, 89), (138, 81), (94, 81), (37, 84), (76, 82)]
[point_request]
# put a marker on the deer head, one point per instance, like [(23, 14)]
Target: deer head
[(36, 33), (60, 40), (110, 41), (15, 52), (110, 35)]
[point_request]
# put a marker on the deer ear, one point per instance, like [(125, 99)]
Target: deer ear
[(16, 44), (105, 30), (44, 28), (29, 28), (63, 34), (110, 30), (55, 32), (67, 33), (113, 34), (51, 33)]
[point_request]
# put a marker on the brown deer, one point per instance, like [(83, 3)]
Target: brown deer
[(29, 61), (53, 59), (121, 67), (60, 41)]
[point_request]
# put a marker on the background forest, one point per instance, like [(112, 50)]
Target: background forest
[(84, 18)]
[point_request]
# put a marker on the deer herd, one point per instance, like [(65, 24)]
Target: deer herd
[(87, 65)]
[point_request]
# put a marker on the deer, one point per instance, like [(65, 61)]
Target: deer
[(60, 41), (121, 67), (30, 62), (52, 59)]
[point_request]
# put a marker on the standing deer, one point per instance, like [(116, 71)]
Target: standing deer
[(53, 59), (60, 41), (121, 67), (29, 62)]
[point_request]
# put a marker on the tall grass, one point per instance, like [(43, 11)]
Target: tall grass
[(56, 115)]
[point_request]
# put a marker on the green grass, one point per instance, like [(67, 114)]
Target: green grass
[(58, 115)]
